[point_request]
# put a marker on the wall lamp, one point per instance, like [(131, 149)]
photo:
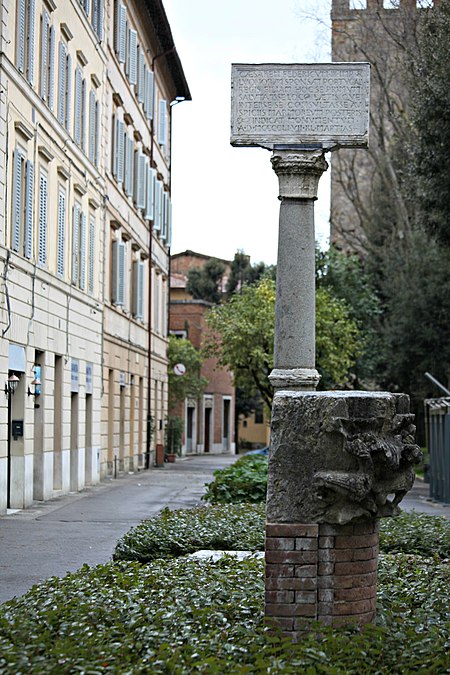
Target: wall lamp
[(11, 385), (36, 382)]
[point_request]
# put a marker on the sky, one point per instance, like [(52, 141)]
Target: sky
[(224, 199)]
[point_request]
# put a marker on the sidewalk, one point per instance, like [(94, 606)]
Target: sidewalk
[(60, 535)]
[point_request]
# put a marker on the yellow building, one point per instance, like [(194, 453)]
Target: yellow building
[(84, 175)]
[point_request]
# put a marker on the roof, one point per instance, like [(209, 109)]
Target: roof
[(202, 256), (167, 49)]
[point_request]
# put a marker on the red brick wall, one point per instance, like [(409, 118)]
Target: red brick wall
[(324, 573)]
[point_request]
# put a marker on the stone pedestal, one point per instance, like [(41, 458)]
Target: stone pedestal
[(339, 461)]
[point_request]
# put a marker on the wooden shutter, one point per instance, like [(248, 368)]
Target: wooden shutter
[(141, 75), (164, 217), (150, 193), (132, 56), (97, 134), (139, 179), (138, 289), (91, 266), (20, 36), (16, 200), (148, 102), (162, 122), (62, 84), (31, 18), (120, 34), (44, 54), (60, 256), (29, 191), (51, 69), (68, 92), (92, 135), (83, 236), (120, 149), (83, 114), (157, 206), (42, 227), (129, 165), (76, 244), (118, 272), (169, 224), (78, 105)]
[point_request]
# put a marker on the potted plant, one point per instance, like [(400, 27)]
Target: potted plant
[(173, 437)]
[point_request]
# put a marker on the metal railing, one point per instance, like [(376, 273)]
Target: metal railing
[(437, 415)]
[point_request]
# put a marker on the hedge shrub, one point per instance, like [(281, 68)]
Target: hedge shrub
[(181, 616), (243, 481)]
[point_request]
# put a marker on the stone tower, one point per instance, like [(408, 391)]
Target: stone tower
[(382, 32)]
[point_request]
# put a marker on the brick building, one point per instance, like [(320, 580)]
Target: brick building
[(209, 421)]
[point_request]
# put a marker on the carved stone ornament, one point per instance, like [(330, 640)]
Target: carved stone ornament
[(298, 172), (339, 457)]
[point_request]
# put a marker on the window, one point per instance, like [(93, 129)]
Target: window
[(42, 219), (48, 42), (148, 99), (138, 289), (118, 267), (79, 128), (150, 192), (65, 86), (94, 128), (60, 251), (118, 148), (25, 38), (94, 14), (22, 204), (131, 63), (129, 165), (140, 89), (91, 265), (79, 247), (158, 206), (162, 122), (140, 174), (120, 32)]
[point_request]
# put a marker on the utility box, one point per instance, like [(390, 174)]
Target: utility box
[(159, 455)]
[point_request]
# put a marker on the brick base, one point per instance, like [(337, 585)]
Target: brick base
[(325, 573)]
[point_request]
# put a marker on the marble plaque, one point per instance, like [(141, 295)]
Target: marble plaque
[(325, 105)]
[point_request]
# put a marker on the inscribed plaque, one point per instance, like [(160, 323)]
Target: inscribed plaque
[(325, 105)]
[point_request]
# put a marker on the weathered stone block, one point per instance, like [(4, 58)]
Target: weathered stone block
[(337, 457)]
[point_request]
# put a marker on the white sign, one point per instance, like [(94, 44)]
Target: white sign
[(179, 369), (324, 105)]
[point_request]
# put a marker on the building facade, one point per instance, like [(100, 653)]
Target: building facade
[(209, 422), (85, 94)]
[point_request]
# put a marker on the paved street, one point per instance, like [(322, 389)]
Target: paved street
[(58, 536)]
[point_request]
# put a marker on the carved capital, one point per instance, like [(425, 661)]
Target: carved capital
[(298, 172), (302, 379)]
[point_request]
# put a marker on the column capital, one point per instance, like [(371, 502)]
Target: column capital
[(298, 172)]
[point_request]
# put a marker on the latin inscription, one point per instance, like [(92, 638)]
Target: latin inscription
[(300, 104)]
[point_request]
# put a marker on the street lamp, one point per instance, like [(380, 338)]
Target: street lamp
[(11, 385)]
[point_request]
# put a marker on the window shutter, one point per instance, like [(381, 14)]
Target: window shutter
[(75, 244), (28, 234), (139, 175), (31, 15), (92, 115), (83, 235), (16, 200), (51, 69), (86, 5), (121, 31), (20, 46), (62, 83), (98, 18), (164, 217), (138, 289), (169, 224), (78, 96), (120, 149), (141, 76), (68, 92), (148, 102), (97, 134), (42, 228), (44, 54), (83, 114), (157, 207), (132, 56), (118, 273), (162, 122), (129, 165), (149, 200), (61, 233), (91, 256)]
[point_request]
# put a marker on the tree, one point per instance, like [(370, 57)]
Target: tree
[(204, 283), (191, 384), (243, 272), (242, 335)]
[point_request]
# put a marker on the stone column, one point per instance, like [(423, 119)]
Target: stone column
[(294, 352)]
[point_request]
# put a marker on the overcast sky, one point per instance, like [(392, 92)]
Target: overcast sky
[(225, 198)]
